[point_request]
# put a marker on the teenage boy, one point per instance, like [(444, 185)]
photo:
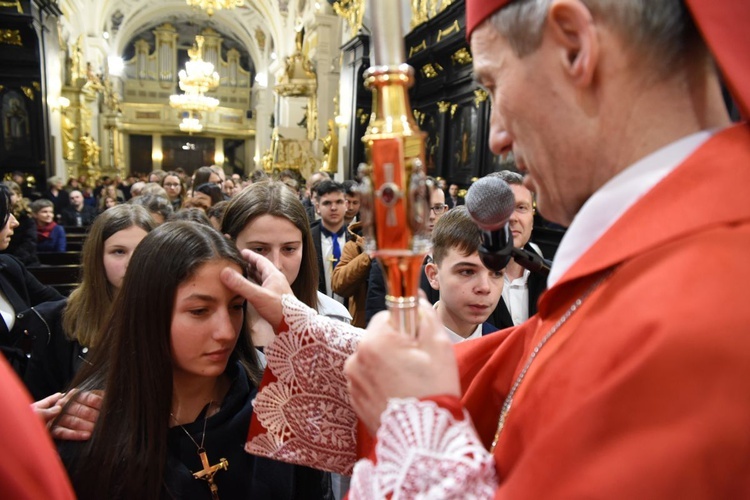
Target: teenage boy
[(329, 235), (469, 292)]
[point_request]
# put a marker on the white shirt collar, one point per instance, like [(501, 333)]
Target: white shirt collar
[(456, 338), (615, 197)]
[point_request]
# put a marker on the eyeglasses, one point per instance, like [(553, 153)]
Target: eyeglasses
[(439, 208)]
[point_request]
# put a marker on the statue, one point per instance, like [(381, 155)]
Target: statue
[(68, 134), (330, 149), (89, 151)]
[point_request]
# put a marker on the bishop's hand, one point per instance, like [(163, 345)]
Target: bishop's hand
[(264, 297), (389, 364)]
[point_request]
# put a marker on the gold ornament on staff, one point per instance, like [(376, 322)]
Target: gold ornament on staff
[(394, 190)]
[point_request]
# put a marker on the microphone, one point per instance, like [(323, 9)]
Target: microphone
[(490, 203)]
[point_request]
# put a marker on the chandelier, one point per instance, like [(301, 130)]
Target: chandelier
[(191, 124), (191, 101), (199, 75), (213, 5), (196, 79)]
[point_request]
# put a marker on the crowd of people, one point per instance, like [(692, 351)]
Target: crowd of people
[(232, 361)]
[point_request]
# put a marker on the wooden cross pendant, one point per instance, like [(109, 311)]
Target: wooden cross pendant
[(207, 474)]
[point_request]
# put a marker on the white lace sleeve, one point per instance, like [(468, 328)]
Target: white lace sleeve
[(424, 452), (306, 412)]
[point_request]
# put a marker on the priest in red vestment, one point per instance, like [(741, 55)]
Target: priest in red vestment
[(631, 380)]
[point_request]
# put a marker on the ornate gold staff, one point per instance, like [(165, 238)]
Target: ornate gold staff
[(395, 195)]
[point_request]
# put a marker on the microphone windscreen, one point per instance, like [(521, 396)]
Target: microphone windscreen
[(490, 202)]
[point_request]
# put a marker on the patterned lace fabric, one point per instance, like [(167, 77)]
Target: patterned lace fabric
[(305, 412), (424, 452)]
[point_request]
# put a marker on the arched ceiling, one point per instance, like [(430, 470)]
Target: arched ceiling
[(270, 22)]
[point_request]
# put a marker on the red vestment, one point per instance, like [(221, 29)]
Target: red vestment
[(644, 393), (30, 467)]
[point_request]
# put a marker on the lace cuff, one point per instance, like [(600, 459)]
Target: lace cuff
[(302, 413), (423, 451)]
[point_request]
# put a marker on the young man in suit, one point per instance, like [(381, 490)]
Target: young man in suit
[(329, 235)]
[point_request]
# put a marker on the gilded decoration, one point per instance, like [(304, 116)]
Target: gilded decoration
[(443, 106), (16, 4), (430, 70), (418, 48), (480, 95), (298, 78), (462, 57), (453, 28), (330, 149), (353, 11), (362, 116), (11, 37), (29, 92), (260, 37)]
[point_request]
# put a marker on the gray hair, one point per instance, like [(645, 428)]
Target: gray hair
[(659, 31), (508, 176)]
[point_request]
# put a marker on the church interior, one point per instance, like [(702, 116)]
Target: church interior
[(113, 88)]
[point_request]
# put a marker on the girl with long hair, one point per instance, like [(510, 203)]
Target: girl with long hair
[(23, 244), (109, 245), (176, 365), (268, 218)]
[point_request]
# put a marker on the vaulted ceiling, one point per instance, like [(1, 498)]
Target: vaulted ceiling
[(258, 26)]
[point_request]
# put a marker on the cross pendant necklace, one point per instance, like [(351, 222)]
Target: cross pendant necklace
[(208, 471)]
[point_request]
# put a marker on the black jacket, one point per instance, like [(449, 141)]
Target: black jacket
[(376, 290), (69, 216), (537, 284), (23, 291)]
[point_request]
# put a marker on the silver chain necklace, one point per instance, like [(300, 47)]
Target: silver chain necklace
[(560, 322)]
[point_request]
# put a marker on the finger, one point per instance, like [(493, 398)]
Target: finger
[(259, 264), (237, 283), (49, 401), (65, 434)]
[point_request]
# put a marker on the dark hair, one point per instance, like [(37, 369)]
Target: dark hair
[(274, 198), (456, 230), (201, 176), (6, 207), (217, 211), (154, 203), (212, 190), (193, 214), (351, 188), (509, 176), (258, 176), (328, 186), (127, 453)]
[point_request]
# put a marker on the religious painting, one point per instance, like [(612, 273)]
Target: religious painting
[(15, 121), (431, 123), (462, 157)]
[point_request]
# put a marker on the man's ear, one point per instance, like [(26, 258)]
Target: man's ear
[(572, 26), (431, 270)]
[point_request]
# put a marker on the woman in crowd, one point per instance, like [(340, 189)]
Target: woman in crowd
[(23, 244), (269, 219), (179, 375), (175, 189), (106, 253), (50, 236), (20, 292), (207, 195)]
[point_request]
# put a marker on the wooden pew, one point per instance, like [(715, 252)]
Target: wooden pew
[(64, 278), (60, 258)]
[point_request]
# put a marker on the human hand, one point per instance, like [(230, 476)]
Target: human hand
[(389, 364), (266, 297), (79, 419), (47, 409)]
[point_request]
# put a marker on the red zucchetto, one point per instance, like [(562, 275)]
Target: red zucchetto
[(479, 10)]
